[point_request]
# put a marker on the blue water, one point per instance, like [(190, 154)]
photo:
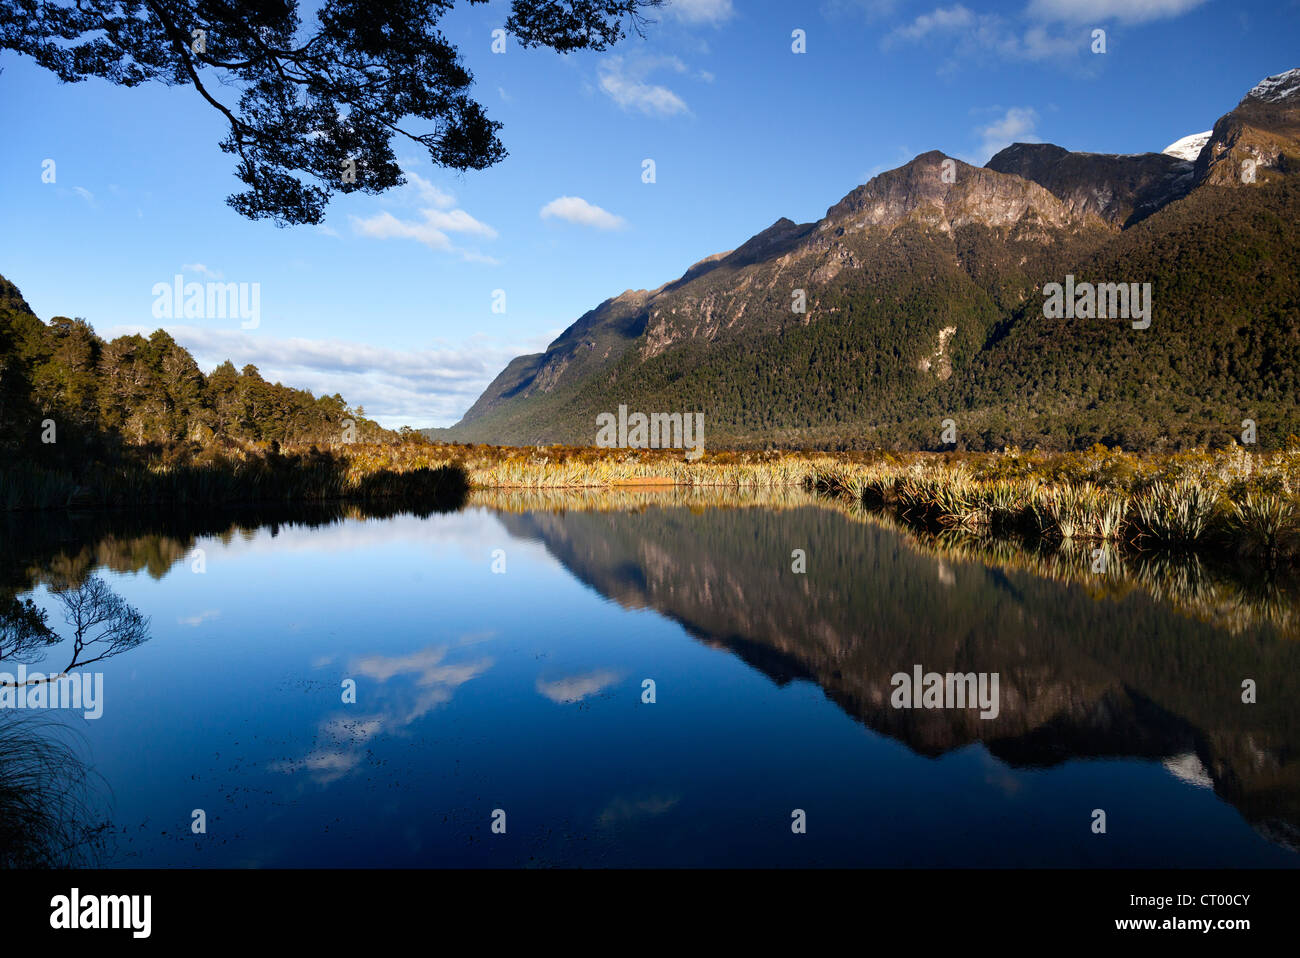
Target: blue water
[(522, 691)]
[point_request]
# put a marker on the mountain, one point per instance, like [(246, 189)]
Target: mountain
[(919, 297), (1122, 190), (1262, 130), (907, 233)]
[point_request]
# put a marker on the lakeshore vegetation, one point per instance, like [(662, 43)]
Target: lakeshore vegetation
[(86, 423), (1244, 500), (1249, 500)]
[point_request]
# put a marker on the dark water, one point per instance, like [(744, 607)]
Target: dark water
[(522, 691)]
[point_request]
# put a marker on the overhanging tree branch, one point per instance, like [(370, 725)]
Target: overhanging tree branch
[(308, 105)]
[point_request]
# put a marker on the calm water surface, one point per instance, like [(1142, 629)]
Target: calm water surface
[(522, 691)]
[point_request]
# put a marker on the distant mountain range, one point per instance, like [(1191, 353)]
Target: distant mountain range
[(922, 298)]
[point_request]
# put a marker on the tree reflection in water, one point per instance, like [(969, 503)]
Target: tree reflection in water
[(48, 810)]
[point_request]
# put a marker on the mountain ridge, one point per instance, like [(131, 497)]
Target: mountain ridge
[(983, 239)]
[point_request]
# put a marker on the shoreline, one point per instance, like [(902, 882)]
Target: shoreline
[(1246, 501)]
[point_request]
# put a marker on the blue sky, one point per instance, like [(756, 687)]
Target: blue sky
[(390, 302)]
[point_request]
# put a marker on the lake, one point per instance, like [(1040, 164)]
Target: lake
[(644, 679)]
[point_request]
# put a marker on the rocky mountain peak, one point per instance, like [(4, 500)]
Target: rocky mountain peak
[(1256, 136), (1120, 189), (1276, 89), (945, 193), (782, 233)]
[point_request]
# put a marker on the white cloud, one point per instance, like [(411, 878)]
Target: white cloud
[(465, 534), (437, 218), (202, 270), (341, 738), (1015, 126), (1125, 11), (574, 209), (431, 229), (870, 9), (624, 80), (701, 11), (979, 35), (623, 809), (472, 256), (412, 387), (940, 20), (85, 194), (429, 193), (1037, 44)]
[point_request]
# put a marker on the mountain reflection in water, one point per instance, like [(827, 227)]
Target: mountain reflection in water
[(1145, 666), (1102, 670)]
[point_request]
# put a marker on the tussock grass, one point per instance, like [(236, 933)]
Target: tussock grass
[(1082, 511), (1244, 501), (1009, 502), (1181, 512), (943, 498), (48, 818), (1229, 498), (1266, 521)]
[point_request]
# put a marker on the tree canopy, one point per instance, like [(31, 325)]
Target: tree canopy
[(141, 390), (312, 110)]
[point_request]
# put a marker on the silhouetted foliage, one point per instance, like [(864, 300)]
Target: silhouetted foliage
[(313, 102)]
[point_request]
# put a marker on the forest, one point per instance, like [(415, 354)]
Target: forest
[(135, 421), (143, 390)]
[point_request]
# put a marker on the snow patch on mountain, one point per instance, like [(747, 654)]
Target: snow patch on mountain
[(1276, 88), (1189, 147)]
